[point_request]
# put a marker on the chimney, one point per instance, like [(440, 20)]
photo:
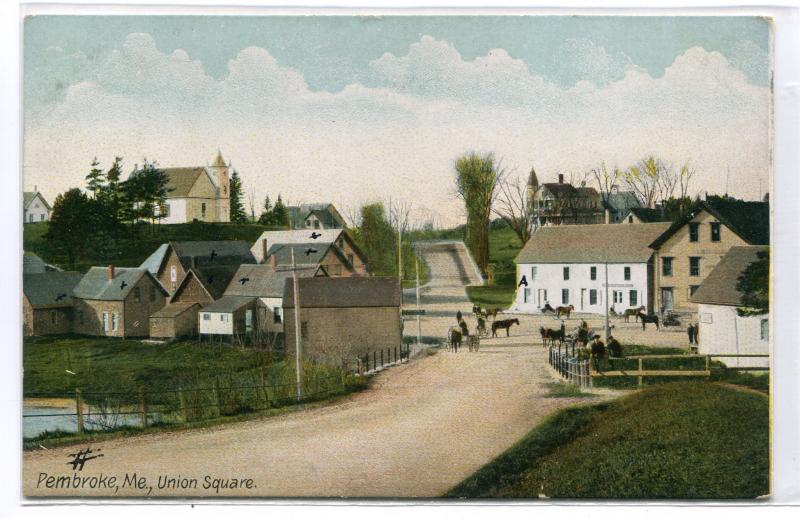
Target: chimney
[(560, 178), (608, 216), (264, 250), (110, 272), (273, 261)]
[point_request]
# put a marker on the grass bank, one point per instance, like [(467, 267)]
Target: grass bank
[(689, 440), (504, 245)]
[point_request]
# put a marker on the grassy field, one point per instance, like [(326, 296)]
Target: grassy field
[(689, 440), (504, 246)]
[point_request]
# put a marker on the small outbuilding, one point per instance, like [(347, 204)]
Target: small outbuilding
[(175, 320), (47, 303), (721, 327), (234, 319)]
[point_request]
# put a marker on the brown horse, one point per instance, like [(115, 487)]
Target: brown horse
[(648, 319), (505, 323), (490, 313), (455, 339), (550, 335), (566, 310), (632, 312)]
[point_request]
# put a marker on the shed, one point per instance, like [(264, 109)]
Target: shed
[(175, 320)]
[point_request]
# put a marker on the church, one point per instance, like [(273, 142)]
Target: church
[(198, 193)]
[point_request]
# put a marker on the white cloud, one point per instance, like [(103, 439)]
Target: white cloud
[(398, 132), (752, 60), (582, 60)]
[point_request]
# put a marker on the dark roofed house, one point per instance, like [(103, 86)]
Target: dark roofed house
[(561, 203), (722, 329), (315, 216), (33, 264), (235, 319), (172, 261), (344, 318), (646, 215), (47, 304), (117, 302), (332, 251)]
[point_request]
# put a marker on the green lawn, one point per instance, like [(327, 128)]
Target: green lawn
[(495, 296), (504, 246), (689, 440)]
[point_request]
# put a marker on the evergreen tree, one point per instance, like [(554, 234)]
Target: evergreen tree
[(237, 213), (280, 215), (70, 229), (377, 239), (112, 194), (95, 179), (754, 286), (266, 213)]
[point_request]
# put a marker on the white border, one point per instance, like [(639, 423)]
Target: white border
[(785, 194)]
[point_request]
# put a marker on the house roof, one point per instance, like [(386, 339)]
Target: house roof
[(749, 220), (174, 310), (228, 304), (304, 253), (95, 284), (33, 264), (648, 215), (262, 281), (28, 196), (599, 243), (344, 292), (622, 200), (205, 253), (719, 287), (325, 211), (213, 278), (325, 237), (50, 289)]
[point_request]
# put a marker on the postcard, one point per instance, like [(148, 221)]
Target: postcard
[(396, 255)]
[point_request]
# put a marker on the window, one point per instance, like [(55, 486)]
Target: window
[(114, 321), (715, 230), (316, 224), (224, 318), (526, 293), (351, 259), (137, 295), (533, 273), (566, 273), (206, 317), (593, 273), (30, 218), (304, 330), (41, 217), (106, 322), (617, 296), (592, 296), (694, 266), (666, 266), (276, 315), (630, 219), (203, 209), (564, 296), (693, 289), (694, 231), (152, 294), (53, 317), (633, 297), (173, 274), (627, 273), (764, 329)]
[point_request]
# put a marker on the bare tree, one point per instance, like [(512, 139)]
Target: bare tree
[(644, 180), (685, 180), (399, 212), (251, 200), (605, 179), (513, 206), (476, 182)]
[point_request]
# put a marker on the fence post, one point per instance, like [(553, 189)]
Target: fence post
[(79, 410), (640, 372), (184, 411), (374, 360), (218, 402), (143, 408), (381, 357)]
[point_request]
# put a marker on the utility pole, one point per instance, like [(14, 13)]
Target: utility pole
[(606, 299), (419, 323), (400, 252), (296, 288)]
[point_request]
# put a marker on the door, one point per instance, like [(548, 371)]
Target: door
[(667, 301), (583, 294), (248, 320)]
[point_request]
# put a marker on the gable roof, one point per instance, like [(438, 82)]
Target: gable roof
[(29, 196), (228, 304), (649, 215), (95, 284), (748, 220), (719, 287), (344, 292), (325, 211), (325, 238), (181, 180), (33, 264), (173, 310), (262, 281), (622, 200), (228, 252), (50, 289), (213, 278), (600, 243)]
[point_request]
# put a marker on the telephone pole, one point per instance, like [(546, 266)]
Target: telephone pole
[(419, 324), (296, 288), (606, 300)]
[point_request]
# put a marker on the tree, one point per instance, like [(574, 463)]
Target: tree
[(606, 180), (111, 195), (280, 215), (476, 181), (376, 239), (95, 180), (266, 213), (652, 181), (513, 207), (753, 284), (70, 229), (684, 180), (144, 194), (237, 212)]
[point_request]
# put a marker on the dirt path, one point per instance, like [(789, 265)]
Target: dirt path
[(421, 429)]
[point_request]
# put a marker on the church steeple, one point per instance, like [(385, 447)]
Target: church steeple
[(533, 182), (219, 162)]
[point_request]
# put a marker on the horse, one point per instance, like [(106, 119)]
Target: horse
[(547, 308), (552, 335), (648, 319), (598, 351), (476, 309), (506, 323), (564, 310), (490, 313), (454, 334), (632, 312)]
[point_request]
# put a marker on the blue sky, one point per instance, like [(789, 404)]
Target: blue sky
[(252, 84)]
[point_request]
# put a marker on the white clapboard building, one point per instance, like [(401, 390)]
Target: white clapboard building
[(722, 329), (569, 264)]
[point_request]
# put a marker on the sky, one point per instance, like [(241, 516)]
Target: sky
[(359, 109)]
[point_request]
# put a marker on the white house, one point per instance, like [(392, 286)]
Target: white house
[(569, 264), (35, 207), (722, 329)]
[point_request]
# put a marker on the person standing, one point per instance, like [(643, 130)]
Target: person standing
[(696, 333), (690, 333)]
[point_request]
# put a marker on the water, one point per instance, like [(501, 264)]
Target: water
[(36, 420)]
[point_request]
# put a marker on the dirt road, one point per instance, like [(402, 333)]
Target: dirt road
[(418, 431)]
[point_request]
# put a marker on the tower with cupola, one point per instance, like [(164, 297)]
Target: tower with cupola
[(220, 173)]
